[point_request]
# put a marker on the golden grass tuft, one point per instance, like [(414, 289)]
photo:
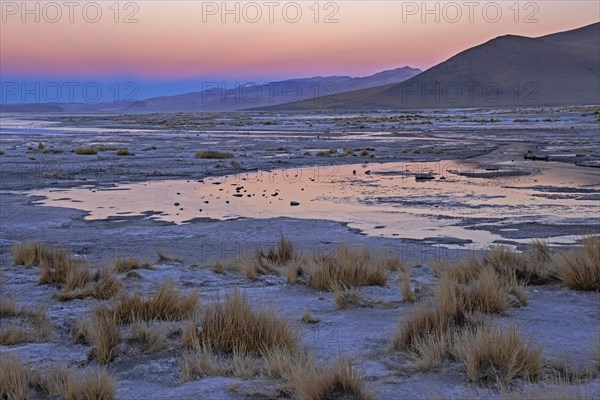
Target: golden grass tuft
[(340, 381), (105, 334), (27, 254), (81, 283), (150, 338), (282, 259), (232, 324), (98, 385), (57, 381), (407, 293), (346, 297), (23, 324), (309, 319), (579, 268), (213, 154), (166, 257), (348, 267), (129, 264), (167, 304), (200, 362), (86, 151), (492, 354), (14, 378)]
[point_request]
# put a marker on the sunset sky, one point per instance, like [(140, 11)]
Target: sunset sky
[(175, 45)]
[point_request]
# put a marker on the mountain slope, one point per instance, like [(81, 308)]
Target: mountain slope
[(273, 93), (557, 69)]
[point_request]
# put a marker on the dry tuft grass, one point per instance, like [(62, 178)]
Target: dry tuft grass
[(282, 259), (579, 268), (81, 283), (98, 385), (150, 338), (346, 297), (309, 319), (129, 264), (491, 354), (340, 381), (23, 324), (213, 154), (200, 362), (348, 267), (86, 151), (430, 349), (165, 257), (27, 253), (233, 325), (407, 294), (14, 378), (105, 334), (166, 304), (58, 381)]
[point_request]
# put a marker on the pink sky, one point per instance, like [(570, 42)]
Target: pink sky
[(171, 40)]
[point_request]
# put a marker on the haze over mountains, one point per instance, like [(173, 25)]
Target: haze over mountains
[(557, 69), (217, 96)]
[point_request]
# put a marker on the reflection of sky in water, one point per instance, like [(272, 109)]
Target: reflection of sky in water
[(378, 199)]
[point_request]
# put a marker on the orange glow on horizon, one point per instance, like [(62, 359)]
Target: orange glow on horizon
[(171, 40)]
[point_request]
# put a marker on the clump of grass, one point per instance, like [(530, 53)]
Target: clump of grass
[(408, 294), (235, 164), (14, 378), (579, 268), (85, 151), (167, 304), (489, 354), (364, 153), (309, 319), (346, 297), (150, 338), (23, 324), (348, 152), (232, 324), (348, 267), (340, 381), (80, 283), (28, 253), (105, 334), (57, 381), (213, 154), (200, 362), (166, 257), (129, 264), (282, 259), (122, 152)]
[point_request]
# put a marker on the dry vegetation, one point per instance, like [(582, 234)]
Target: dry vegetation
[(57, 265), (348, 267), (340, 381), (103, 330), (579, 268), (167, 304), (491, 354), (59, 381), (233, 325), (86, 151), (129, 264), (23, 324), (213, 154)]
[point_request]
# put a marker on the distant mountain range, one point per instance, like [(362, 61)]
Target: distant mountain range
[(557, 69), (216, 98)]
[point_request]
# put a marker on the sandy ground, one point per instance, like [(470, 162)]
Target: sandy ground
[(565, 322)]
